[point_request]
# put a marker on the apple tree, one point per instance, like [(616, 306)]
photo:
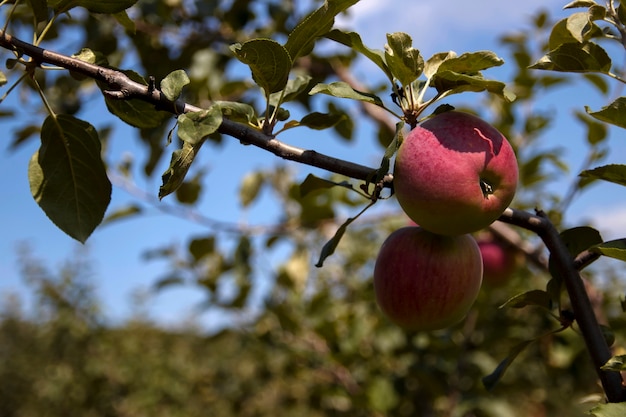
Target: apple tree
[(173, 72)]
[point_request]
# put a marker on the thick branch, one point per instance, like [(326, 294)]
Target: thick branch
[(122, 87), (583, 311)]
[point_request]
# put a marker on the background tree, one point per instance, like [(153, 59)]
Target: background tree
[(312, 342)]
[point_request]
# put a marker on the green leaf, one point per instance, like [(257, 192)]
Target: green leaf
[(581, 26), (268, 60), (312, 183), (596, 132), (3, 79), (471, 62), (616, 363), (342, 89), (201, 247), (126, 22), (615, 173), (292, 90), (122, 213), (530, 298), (353, 40), (318, 23), (250, 187), (238, 112), (579, 239), (329, 248), (40, 10), (492, 379), (67, 176), (94, 6), (135, 112), (434, 62), (573, 57), (609, 410), (390, 151), (580, 3), (613, 249), (321, 121), (450, 82), (404, 61), (194, 127), (172, 85), (614, 113), (181, 160)]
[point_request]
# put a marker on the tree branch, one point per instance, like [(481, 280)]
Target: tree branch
[(124, 88)]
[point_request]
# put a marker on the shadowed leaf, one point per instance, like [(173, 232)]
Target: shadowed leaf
[(268, 60), (614, 113), (615, 173), (342, 89)]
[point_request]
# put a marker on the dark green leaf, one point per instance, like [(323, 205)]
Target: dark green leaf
[(609, 410), (596, 132), (126, 22), (579, 239), (613, 249), (580, 3), (167, 282), (181, 160), (320, 121), (194, 127), (471, 62), (615, 173), (329, 248), (530, 298), (201, 247), (269, 62), (453, 83), (172, 85), (573, 57), (135, 112), (250, 187), (581, 26), (94, 6), (318, 23), (404, 61), (67, 176), (122, 213), (353, 40), (312, 183), (614, 113), (344, 90), (492, 379), (40, 10)]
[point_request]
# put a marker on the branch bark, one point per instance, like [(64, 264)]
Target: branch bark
[(123, 87)]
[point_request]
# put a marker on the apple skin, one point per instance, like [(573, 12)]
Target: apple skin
[(499, 262), (424, 281), (439, 168)]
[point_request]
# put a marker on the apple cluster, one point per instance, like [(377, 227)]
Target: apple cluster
[(454, 174)]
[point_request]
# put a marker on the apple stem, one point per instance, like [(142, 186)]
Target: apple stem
[(585, 317)]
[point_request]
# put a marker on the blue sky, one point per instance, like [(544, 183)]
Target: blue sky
[(116, 249)]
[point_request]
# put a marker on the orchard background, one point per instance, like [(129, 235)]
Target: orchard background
[(262, 330)]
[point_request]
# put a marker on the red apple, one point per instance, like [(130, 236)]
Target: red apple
[(499, 261), (455, 174), (425, 281)]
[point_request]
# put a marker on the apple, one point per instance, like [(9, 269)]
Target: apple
[(499, 261), (455, 174), (425, 281)]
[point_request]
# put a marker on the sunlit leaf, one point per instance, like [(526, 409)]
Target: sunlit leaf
[(67, 176), (353, 40), (615, 173), (614, 113), (194, 127), (609, 410), (238, 112), (471, 62), (344, 90), (303, 36), (613, 249), (404, 61), (172, 85), (579, 3), (434, 62), (269, 62), (292, 90), (3, 78)]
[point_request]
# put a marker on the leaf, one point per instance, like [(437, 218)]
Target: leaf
[(353, 40), (342, 89), (3, 79), (181, 160), (573, 57), (616, 363), (613, 249), (471, 62), (318, 23), (579, 3), (40, 10), (68, 178), (201, 247), (312, 183), (268, 60), (609, 410), (492, 379), (194, 127), (126, 22), (250, 187), (238, 112), (291, 91), (321, 121), (614, 113), (530, 298), (581, 26), (596, 132), (172, 85), (404, 61), (135, 112), (434, 62), (122, 213), (390, 151), (615, 173), (94, 6), (453, 83), (329, 247)]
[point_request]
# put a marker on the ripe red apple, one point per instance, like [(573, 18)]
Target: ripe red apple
[(425, 281), (499, 261), (455, 174)]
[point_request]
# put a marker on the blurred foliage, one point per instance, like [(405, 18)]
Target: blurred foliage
[(304, 341)]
